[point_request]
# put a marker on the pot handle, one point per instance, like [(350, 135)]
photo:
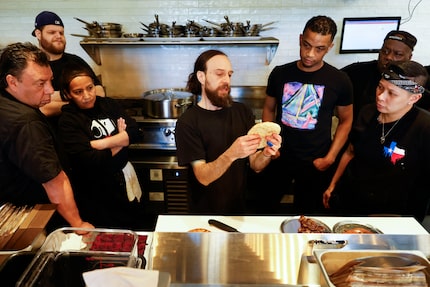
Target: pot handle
[(80, 20), (183, 104)]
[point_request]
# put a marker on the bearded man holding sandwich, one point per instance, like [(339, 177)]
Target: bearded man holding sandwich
[(212, 139)]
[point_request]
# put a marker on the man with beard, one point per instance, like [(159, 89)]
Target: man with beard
[(49, 31), (211, 139)]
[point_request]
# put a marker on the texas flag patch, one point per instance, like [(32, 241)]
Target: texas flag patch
[(394, 153)]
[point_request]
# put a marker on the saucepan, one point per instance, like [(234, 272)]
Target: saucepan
[(101, 25), (240, 29), (102, 29)]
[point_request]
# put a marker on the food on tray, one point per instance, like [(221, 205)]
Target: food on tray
[(264, 129), (380, 271), (310, 225), (358, 230), (118, 242), (355, 228), (199, 230)]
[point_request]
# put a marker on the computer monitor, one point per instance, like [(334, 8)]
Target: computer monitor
[(366, 34)]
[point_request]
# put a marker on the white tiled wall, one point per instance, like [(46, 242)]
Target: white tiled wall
[(132, 71)]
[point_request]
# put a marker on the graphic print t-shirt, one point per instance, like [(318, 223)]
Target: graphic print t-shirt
[(305, 106), (300, 105)]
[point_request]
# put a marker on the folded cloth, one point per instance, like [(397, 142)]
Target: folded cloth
[(121, 277), (131, 182), (73, 242), (59, 241)]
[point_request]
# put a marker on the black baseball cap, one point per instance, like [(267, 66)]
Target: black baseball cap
[(408, 75), (46, 18), (402, 36)]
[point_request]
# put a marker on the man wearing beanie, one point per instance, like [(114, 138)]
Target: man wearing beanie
[(397, 46), (49, 31)]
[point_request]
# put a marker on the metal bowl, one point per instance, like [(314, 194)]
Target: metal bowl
[(354, 227)]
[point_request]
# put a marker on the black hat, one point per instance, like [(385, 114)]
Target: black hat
[(402, 36), (408, 75), (46, 18)]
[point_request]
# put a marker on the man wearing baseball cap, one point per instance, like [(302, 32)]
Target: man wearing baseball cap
[(398, 45), (46, 18), (49, 31)]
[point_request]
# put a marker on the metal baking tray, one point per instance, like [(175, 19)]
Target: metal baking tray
[(332, 260), (65, 255)]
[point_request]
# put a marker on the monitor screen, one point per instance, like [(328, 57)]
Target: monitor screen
[(366, 35)]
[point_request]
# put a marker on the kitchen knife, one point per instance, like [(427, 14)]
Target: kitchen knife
[(222, 226)]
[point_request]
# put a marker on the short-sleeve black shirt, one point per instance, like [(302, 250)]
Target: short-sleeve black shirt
[(28, 155), (204, 134)]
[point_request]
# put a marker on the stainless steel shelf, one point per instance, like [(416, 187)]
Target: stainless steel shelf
[(92, 45)]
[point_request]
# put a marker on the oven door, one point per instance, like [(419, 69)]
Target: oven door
[(163, 182)]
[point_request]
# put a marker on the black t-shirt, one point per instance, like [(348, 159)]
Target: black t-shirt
[(203, 134), (390, 177), (28, 155), (96, 175), (305, 107), (365, 78)]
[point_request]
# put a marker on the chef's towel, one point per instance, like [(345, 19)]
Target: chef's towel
[(121, 277), (131, 182)]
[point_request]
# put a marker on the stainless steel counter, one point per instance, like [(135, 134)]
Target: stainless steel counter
[(240, 259)]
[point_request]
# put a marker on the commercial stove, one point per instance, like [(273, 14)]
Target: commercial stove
[(163, 182)]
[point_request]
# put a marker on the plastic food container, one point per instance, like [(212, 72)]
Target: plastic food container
[(65, 255)]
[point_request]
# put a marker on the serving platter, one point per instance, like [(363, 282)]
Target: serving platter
[(355, 227), (292, 225)]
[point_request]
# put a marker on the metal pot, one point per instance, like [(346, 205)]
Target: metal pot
[(100, 33), (103, 29), (167, 103)]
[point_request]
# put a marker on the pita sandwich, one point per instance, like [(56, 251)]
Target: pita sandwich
[(264, 129)]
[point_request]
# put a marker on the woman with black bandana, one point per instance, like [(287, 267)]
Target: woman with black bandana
[(386, 167)]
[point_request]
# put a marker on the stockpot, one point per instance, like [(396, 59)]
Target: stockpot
[(167, 103)]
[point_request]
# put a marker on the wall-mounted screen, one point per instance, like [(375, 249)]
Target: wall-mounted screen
[(366, 35)]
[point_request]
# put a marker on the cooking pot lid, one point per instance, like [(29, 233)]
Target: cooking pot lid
[(167, 94)]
